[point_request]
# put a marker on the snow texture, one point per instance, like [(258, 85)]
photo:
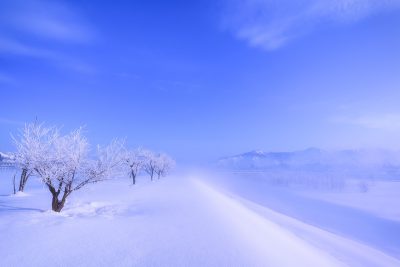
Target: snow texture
[(188, 220)]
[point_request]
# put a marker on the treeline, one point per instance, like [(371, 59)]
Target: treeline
[(65, 162)]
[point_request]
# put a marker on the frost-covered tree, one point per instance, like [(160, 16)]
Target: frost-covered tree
[(164, 164), (153, 164), (33, 141), (63, 162), (150, 163), (133, 161)]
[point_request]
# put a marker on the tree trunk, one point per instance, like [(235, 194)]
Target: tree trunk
[(15, 190), (133, 177), (57, 205), (23, 179)]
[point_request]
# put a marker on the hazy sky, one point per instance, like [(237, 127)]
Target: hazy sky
[(203, 79)]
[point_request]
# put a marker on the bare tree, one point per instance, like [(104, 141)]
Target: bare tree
[(63, 163)]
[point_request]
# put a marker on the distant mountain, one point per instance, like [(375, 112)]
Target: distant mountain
[(5, 158), (311, 159)]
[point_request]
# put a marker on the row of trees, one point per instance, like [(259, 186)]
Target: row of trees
[(66, 163), (135, 161)]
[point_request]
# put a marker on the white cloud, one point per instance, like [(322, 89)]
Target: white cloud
[(271, 23)]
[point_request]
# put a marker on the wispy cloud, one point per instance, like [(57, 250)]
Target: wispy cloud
[(53, 20), (34, 28), (271, 24), (15, 48), (387, 121), (11, 46)]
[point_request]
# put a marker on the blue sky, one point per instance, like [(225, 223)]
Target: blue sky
[(203, 79)]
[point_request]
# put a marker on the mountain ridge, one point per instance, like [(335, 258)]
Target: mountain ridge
[(312, 158)]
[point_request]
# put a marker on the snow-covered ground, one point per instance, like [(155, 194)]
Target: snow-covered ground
[(380, 198), (190, 220)]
